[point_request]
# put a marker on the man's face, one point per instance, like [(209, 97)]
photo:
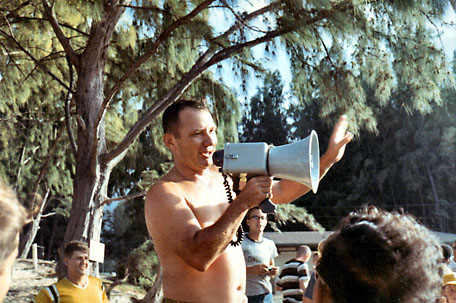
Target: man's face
[(5, 274), (454, 250), (257, 220), (196, 141), (78, 264)]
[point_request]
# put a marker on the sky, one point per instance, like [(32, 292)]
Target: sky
[(282, 63)]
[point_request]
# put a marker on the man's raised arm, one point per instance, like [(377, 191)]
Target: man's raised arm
[(286, 191)]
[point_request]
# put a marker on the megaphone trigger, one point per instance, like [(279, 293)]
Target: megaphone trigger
[(267, 206)]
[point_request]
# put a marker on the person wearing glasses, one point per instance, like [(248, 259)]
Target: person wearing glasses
[(259, 254), (193, 215), (379, 256)]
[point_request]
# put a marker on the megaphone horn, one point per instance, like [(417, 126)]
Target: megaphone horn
[(299, 161)]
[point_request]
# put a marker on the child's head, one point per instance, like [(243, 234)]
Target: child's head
[(379, 256)]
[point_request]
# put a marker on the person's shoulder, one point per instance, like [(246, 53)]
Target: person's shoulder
[(168, 184), (45, 294), (95, 280), (271, 242)]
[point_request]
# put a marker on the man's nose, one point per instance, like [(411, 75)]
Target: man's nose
[(210, 139)]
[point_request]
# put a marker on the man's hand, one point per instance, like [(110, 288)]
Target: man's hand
[(255, 191), (259, 269), (273, 271), (340, 137)]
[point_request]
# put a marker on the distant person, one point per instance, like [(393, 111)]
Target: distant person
[(308, 293), (379, 256), (295, 276), (447, 254), (452, 263), (77, 286), (449, 288), (259, 254), (13, 216)]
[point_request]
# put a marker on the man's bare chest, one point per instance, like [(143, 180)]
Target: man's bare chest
[(208, 201)]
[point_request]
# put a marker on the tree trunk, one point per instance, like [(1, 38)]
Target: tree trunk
[(51, 240), (155, 294), (92, 173), (436, 198), (31, 233)]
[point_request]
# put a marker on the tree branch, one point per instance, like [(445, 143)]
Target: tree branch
[(64, 41), (37, 62), (203, 63), (127, 197), (68, 99), (164, 35)]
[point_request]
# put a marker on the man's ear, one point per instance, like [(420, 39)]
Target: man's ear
[(65, 261), (168, 139)]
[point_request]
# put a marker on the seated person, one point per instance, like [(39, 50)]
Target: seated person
[(379, 256)]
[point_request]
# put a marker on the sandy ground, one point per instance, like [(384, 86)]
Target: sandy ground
[(27, 282)]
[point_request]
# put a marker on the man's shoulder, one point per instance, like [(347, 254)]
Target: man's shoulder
[(47, 294), (92, 278), (269, 241), (163, 186)]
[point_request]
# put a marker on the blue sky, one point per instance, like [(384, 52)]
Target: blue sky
[(282, 62)]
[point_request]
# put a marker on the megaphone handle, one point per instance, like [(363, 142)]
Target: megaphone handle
[(267, 206)]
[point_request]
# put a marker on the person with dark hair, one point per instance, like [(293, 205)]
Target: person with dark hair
[(77, 286), (259, 254), (295, 276), (447, 253), (377, 256), (13, 217), (193, 215)]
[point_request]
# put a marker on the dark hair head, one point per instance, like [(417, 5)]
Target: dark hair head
[(382, 257), (170, 119), (249, 212), (73, 246), (13, 216), (447, 252)]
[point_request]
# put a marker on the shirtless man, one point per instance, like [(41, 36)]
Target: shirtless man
[(188, 215)]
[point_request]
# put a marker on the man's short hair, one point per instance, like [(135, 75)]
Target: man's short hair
[(13, 216), (382, 257), (170, 119), (73, 246), (304, 250)]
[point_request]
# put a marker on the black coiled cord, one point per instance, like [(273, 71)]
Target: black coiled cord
[(240, 231)]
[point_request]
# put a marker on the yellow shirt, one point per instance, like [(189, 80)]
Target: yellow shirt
[(68, 292)]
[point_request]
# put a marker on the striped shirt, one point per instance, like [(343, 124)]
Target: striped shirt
[(292, 272)]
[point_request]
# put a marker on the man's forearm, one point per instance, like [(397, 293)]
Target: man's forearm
[(210, 242)]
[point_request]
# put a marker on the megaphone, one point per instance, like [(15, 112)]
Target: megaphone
[(299, 162)]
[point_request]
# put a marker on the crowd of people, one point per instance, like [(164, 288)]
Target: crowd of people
[(194, 218)]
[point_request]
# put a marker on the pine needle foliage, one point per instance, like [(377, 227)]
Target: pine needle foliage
[(124, 61)]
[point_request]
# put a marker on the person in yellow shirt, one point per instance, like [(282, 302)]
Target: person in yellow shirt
[(77, 286)]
